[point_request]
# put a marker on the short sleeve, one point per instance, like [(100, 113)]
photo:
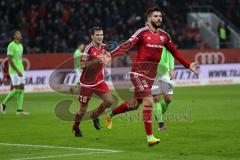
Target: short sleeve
[(10, 50)]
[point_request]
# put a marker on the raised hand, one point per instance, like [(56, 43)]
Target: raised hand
[(107, 56)]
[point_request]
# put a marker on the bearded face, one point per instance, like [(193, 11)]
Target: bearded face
[(155, 19)]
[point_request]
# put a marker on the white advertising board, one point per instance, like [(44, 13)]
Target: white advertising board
[(40, 80)]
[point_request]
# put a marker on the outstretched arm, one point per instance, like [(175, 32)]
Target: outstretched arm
[(125, 46), (176, 54), (179, 56)]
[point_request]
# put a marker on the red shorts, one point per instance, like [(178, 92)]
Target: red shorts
[(142, 85), (85, 91)]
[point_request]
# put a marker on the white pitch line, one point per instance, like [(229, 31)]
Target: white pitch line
[(60, 147), (59, 156)]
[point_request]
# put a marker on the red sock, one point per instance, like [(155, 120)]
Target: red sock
[(124, 107), (147, 119), (98, 111), (77, 119)]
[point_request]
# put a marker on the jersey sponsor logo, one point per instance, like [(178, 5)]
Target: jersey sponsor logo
[(210, 58), (162, 38), (154, 45)]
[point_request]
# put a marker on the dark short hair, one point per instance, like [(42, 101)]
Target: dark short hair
[(96, 28), (151, 10), (13, 33), (80, 42)]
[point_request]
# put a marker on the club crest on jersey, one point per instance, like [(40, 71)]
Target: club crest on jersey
[(162, 38)]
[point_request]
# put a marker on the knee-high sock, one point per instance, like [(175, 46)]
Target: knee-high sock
[(99, 110), (165, 106), (157, 111), (20, 99), (147, 119), (124, 107), (78, 118), (10, 95)]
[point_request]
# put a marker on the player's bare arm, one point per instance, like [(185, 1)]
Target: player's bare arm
[(171, 74)]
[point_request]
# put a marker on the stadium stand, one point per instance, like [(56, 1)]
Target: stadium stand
[(58, 25)]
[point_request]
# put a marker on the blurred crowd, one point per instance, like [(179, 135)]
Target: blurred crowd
[(230, 9), (59, 25)]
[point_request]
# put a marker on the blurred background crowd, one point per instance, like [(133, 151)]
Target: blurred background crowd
[(51, 26)]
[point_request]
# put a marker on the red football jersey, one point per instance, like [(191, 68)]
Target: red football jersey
[(149, 49), (92, 74)]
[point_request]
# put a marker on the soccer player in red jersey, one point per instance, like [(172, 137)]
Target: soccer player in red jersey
[(149, 41), (92, 81)]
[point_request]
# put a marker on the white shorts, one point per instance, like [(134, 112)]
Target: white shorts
[(161, 87), (16, 80)]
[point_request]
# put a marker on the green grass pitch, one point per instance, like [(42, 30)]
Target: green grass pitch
[(203, 123)]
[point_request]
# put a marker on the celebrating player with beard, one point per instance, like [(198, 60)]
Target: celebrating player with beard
[(149, 41)]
